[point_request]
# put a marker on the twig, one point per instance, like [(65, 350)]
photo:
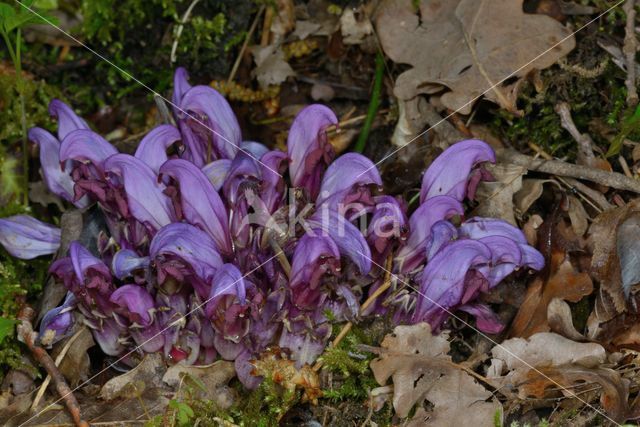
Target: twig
[(185, 18), (559, 168), (593, 195), (629, 49), (372, 298), (266, 27), (585, 143), (236, 64), (625, 166), (374, 104), (28, 336), (47, 380)]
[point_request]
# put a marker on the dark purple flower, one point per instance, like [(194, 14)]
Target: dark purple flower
[(25, 237), (308, 147), (347, 237), (137, 306), (450, 173)]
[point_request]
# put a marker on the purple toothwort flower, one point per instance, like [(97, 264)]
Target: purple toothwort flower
[(451, 173), (206, 254), (25, 237), (308, 147)]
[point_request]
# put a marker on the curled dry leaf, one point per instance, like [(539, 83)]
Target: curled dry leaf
[(560, 320), (548, 364), (578, 216), (212, 381), (561, 280), (571, 380), (468, 46), (614, 314), (133, 383), (496, 197), (531, 191), (544, 349), (75, 365), (354, 28), (421, 370)]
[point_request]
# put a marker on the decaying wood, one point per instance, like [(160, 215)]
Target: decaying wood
[(629, 49), (27, 335)]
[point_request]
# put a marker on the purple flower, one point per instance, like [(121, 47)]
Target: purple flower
[(59, 182), (207, 107), (181, 251), (58, 322), (68, 121), (450, 173), (422, 220), (442, 283), (347, 181), (153, 147), (86, 146), (308, 147), (198, 202), (146, 201), (313, 258), (126, 261), (25, 237)]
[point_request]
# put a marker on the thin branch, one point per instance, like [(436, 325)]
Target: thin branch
[(236, 64), (27, 335), (629, 49)]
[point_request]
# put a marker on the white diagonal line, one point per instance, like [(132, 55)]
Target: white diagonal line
[(450, 313), (171, 325), (132, 77), (492, 87)]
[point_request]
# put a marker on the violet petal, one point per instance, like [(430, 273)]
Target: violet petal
[(25, 237)]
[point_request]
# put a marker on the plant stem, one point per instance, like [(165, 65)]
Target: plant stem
[(23, 117), (374, 104)]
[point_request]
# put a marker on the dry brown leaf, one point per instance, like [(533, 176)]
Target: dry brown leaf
[(467, 46), (354, 28), (496, 197), (213, 377), (544, 349), (578, 216), (563, 282), (75, 365), (271, 67), (531, 191), (571, 380), (606, 268), (560, 320), (420, 368), (133, 383)]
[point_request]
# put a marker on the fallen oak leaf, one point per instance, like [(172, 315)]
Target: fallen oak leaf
[(133, 383), (467, 47), (212, 381), (418, 364)]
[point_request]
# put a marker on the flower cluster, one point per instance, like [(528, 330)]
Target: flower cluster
[(459, 262), (206, 253)]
